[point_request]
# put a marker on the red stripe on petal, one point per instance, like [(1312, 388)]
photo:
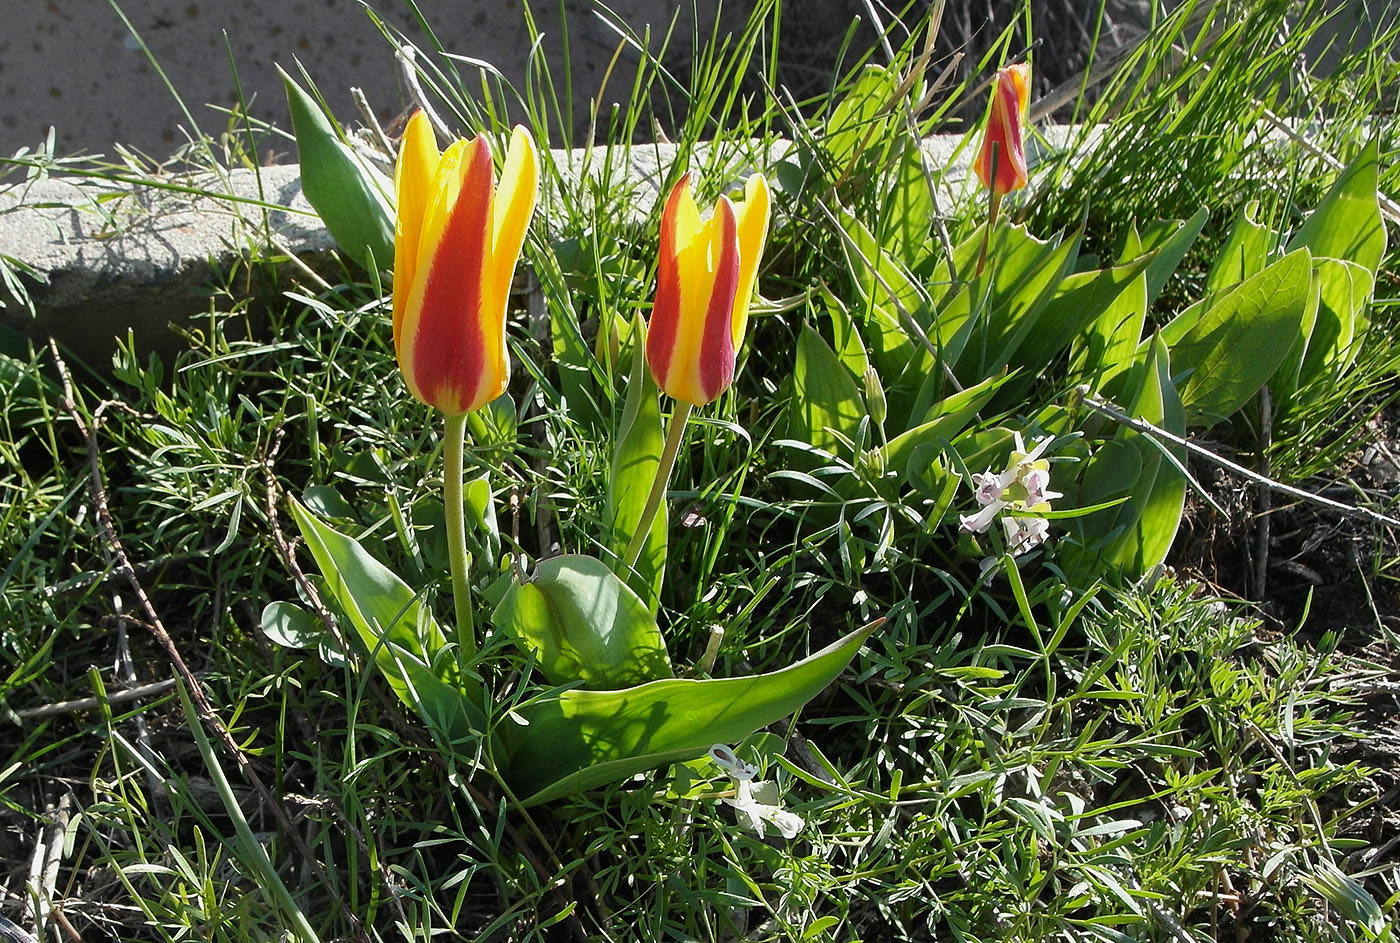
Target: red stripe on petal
[(666, 309), (717, 346), (449, 355)]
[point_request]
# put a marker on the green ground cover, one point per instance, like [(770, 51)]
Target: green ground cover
[(1124, 734)]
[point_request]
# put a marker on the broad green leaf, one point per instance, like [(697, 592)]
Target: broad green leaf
[(1284, 383), (946, 419), (1133, 536), (1011, 293), (886, 289), (584, 624), (931, 475), (1170, 239), (390, 619), (1244, 254), (579, 373), (1111, 342), (634, 463), (980, 449), (1077, 308), (1108, 347), (291, 626), (1111, 470), (1347, 224), (907, 220), (578, 740), (1160, 492), (347, 193), (848, 343), (493, 427), (826, 405), (1344, 289), (480, 505), (1240, 341)]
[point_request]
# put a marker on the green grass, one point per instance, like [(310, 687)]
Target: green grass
[(1139, 762)]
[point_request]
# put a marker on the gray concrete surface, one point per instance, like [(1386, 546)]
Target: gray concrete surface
[(114, 259), (75, 66)]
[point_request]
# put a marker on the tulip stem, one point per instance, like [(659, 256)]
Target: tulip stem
[(992, 213), (453, 448), (674, 433)]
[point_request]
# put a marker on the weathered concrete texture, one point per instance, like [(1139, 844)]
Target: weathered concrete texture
[(114, 259), (74, 65), (142, 258)]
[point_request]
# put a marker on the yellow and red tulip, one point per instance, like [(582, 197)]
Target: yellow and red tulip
[(1001, 163), (456, 242), (704, 283)]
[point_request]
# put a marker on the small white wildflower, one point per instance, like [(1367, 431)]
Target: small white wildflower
[(1024, 534), (989, 487), (979, 522), (759, 803)]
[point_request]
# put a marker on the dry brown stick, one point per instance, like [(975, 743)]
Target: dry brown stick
[(1266, 432), (118, 560), (43, 867), (88, 703), (1103, 408)]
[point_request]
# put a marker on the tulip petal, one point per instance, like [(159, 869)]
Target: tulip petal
[(752, 220), (418, 159), (664, 324), (715, 363), (1001, 161), (451, 358), (515, 202)]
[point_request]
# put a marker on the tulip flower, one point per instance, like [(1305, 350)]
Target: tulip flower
[(456, 242), (705, 281), (1001, 163), (457, 238)]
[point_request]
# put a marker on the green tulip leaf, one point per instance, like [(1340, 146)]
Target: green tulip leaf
[(1344, 288), (1242, 338), (861, 118), (887, 292), (1003, 305), (576, 740), (1083, 305), (582, 623), (1347, 224), (945, 420), (1133, 536), (827, 407), (1170, 239), (391, 621), (291, 626), (347, 192), (634, 462), (1244, 254)]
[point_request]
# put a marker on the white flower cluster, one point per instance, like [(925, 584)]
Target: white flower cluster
[(1022, 488), (758, 802)]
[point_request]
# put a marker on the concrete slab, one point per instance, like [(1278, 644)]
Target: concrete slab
[(138, 257)]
